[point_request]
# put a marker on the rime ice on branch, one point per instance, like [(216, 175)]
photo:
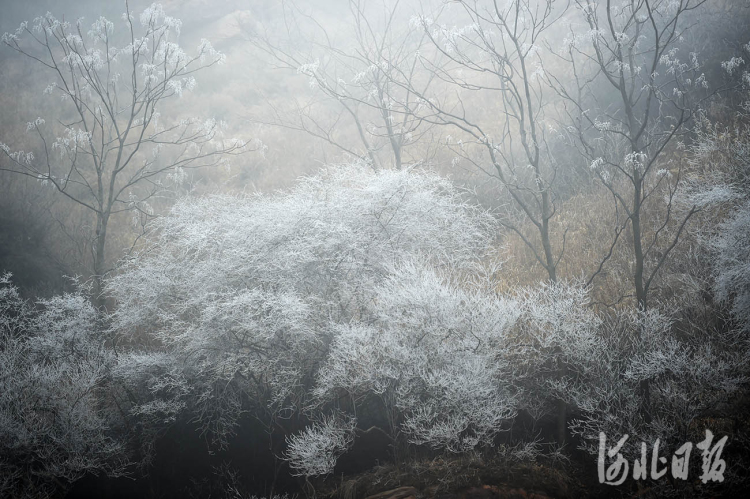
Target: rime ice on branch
[(113, 148)]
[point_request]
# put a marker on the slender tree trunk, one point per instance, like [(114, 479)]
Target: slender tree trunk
[(396, 152), (562, 422), (102, 220), (640, 291), (562, 406), (546, 244)]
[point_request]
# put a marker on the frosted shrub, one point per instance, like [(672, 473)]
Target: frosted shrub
[(732, 266), (686, 377), (54, 427), (430, 356), (561, 350), (557, 340), (728, 151), (250, 292), (315, 450), (720, 156), (375, 291)]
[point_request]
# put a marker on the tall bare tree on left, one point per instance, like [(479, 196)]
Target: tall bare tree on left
[(111, 149)]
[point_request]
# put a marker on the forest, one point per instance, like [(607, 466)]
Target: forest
[(375, 249)]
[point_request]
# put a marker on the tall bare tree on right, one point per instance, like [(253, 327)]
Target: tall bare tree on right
[(631, 96), (495, 99), (495, 102), (631, 92)]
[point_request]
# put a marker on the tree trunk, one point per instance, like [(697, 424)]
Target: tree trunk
[(546, 244), (640, 291), (562, 407), (562, 422), (98, 298)]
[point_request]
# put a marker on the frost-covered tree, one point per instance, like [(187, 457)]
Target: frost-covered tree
[(247, 294), (54, 426), (625, 134), (495, 55), (360, 75), (721, 183), (111, 148), (634, 50)]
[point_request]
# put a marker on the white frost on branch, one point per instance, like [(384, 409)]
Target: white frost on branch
[(315, 451)]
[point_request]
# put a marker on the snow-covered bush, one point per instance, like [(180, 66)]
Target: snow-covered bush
[(728, 190), (376, 292), (54, 427), (732, 265), (599, 364)]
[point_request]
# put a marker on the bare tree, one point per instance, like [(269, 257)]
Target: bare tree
[(629, 100), (627, 132), (496, 58), (111, 151), (366, 84)]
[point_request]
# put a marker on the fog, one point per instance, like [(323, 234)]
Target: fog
[(387, 249)]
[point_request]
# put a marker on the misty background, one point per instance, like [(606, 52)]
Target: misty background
[(47, 236), (540, 285)]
